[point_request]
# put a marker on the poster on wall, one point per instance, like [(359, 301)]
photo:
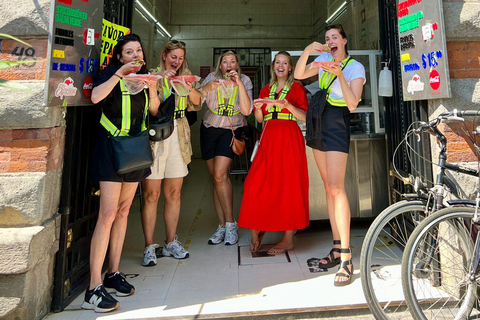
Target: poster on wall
[(423, 50), (111, 32), (74, 51)]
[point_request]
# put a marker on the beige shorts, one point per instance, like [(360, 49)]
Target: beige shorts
[(167, 159)]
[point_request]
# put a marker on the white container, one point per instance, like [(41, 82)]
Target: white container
[(385, 82)]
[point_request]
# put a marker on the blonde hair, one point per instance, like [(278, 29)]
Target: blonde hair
[(273, 76), (218, 72), (170, 46)]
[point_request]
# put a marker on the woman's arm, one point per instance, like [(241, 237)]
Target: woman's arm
[(102, 91), (153, 96), (298, 113), (258, 111), (245, 97), (353, 92), (302, 70)]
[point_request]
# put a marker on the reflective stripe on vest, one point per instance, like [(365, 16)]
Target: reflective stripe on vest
[(126, 114), (326, 79), (279, 115), (182, 101), (274, 112), (228, 109)]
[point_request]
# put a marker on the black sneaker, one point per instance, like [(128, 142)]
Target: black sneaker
[(115, 282), (99, 300)]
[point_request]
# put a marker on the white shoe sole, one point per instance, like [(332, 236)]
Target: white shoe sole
[(88, 306), (118, 293), (168, 254)]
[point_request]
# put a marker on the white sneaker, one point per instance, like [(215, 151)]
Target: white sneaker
[(150, 255), (218, 236), (231, 235), (174, 249)]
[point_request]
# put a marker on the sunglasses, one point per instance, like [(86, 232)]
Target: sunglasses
[(177, 42)]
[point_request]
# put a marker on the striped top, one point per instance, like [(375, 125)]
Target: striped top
[(211, 119)]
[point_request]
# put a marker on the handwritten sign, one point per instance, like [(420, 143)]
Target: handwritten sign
[(111, 32)]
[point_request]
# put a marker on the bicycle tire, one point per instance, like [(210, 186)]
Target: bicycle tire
[(451, 293), (384, 296)]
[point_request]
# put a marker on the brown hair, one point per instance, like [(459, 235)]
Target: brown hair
[(340, 30), (273, 76), (218, 72)]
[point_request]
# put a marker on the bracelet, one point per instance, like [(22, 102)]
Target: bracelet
[(115, 74)]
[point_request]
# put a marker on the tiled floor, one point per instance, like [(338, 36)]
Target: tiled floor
[(224, 279)]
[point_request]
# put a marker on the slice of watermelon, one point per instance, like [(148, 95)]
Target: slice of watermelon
[(185, 78), (141, 77), (328, 64), (268, 101)]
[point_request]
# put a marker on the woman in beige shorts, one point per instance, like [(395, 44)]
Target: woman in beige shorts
[(171, 157)]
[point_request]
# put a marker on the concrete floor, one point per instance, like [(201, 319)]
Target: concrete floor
[(224, 281)]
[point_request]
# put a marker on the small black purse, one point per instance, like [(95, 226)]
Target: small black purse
[(161, 126), (131, 153)]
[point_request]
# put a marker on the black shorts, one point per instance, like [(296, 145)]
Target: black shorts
[(335, 130), (216, 141), (102, 164)]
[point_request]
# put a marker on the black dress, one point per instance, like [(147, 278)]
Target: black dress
[(102, 163)]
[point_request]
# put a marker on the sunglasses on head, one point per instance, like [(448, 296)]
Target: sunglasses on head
[(177, 42)]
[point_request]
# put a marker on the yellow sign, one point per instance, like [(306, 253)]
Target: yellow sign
[(405, 57), (59, 54), (111, 32)]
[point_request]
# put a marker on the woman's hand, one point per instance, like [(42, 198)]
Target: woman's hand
[(315, 47), (128, 68), (336, 70), (210, 86), (168, 73), (258, 105), (234, 76)]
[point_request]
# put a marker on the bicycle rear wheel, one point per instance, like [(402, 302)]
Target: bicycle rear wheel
[(436, 264), (381, 258)]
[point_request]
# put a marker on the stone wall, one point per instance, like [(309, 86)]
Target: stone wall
[(31, 158), (462, 24)]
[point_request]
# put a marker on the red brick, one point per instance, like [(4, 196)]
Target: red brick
[(29, 155), (40, 144), (474, 45), (37, 166), (25, 72), (475, 64), (24, 134), (44, 134), (5, 135), (456, 46), (18, 167), (465, 55), (467, 74), (5, 156), (18, 144), (459, 64)]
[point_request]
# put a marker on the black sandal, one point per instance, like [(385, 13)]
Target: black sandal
[(344, 265), (332, 262)]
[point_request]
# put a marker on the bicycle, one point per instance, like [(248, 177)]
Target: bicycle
[(441, 258), (382, 249)]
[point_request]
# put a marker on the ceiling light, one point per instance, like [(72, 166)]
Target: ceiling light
[(337, 13), (153, 18)]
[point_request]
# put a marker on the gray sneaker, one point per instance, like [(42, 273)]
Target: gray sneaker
[(218, 236), (231, 235), (150, 256), (175, 249)]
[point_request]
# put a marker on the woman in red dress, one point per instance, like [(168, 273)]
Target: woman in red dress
[(276, 189)]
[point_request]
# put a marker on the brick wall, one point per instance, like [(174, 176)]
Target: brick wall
[(464, 59), (31, 150)]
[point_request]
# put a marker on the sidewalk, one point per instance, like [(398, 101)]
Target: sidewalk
[(223, 281)]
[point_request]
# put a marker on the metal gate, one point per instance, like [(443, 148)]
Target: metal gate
[(400, 114), (79, 201)]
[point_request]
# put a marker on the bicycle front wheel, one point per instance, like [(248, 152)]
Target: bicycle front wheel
[(435, 267), (381, 258)]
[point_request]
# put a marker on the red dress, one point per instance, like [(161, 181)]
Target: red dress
[(275, 194)]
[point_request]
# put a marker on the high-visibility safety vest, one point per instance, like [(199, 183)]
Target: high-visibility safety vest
[(226, 110), (182, 103), (327, 78), (273, 110), (126, 114)]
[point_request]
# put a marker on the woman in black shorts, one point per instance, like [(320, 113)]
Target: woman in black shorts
[(344, 78), (216, 136), (117, 190)]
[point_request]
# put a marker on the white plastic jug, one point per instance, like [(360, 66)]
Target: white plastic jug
[(385, 82)]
